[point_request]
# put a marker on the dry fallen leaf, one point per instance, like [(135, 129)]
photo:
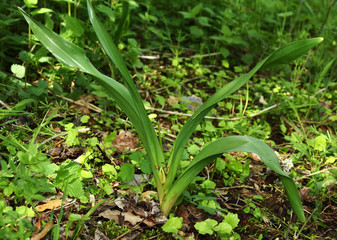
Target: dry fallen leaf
[(44, 232), (147, 196), (124, 141), (49, 205), (172, 100), (100, 236), (128, 217)]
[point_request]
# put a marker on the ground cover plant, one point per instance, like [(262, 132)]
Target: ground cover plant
[(176, 170)]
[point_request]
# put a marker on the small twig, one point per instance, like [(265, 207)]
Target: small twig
[(214, 118), (17, 220), (194, 56), (5, 105), (315, 173), (61, 134), (149, 57), (234, 187), (204, 55), (87, 105), (183, 82), (132, 229)]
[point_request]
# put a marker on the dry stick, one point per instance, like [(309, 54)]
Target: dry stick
[(149, 57), (154, 57), (132, 229), (229, 119), (64, 205), (214, 118), (44, 231), (315, 173), (183, 82), (234, 187), (61, 134), (87, 105), (204, 55), (5, 105)]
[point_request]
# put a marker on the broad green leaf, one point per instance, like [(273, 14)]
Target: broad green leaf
[(85, 174), (74, 25), (206, 227), (235, 144), (318, 143), (232, 219), (173, 225), (127, 172), (41, 11), (223, 228), (23, 210), (18, 70), (109, 169), (74, 217), (75, 188), (30, 3), (62, 49)]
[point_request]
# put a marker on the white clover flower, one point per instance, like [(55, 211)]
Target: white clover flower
[(287, 164)]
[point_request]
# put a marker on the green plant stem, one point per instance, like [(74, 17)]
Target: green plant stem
[(69, 9), (247, 99), (75, 8)]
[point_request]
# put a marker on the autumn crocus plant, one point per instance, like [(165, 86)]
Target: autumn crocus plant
[(169, 184)]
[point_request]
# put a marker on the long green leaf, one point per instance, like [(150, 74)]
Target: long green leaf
[(125, 12), (143, 124), (281, 56), (234, 144), (74, 56)]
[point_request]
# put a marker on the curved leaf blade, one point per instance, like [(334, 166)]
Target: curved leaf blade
[(281, 56), (73, 56), (297, 49), (144, 125), (234, 144), (63, 50)]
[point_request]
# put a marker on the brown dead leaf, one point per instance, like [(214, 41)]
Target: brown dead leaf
[(182, 212), (44, 232), (172, 100), (49, 205), (131, 218), (124, 141), (115, 215), (85, 104), (195, 212), (100, 236), (111, 215), (255, 157), (147, 196)]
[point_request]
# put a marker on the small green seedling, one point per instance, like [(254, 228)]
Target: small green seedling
[(224, 229), (173, 225)]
